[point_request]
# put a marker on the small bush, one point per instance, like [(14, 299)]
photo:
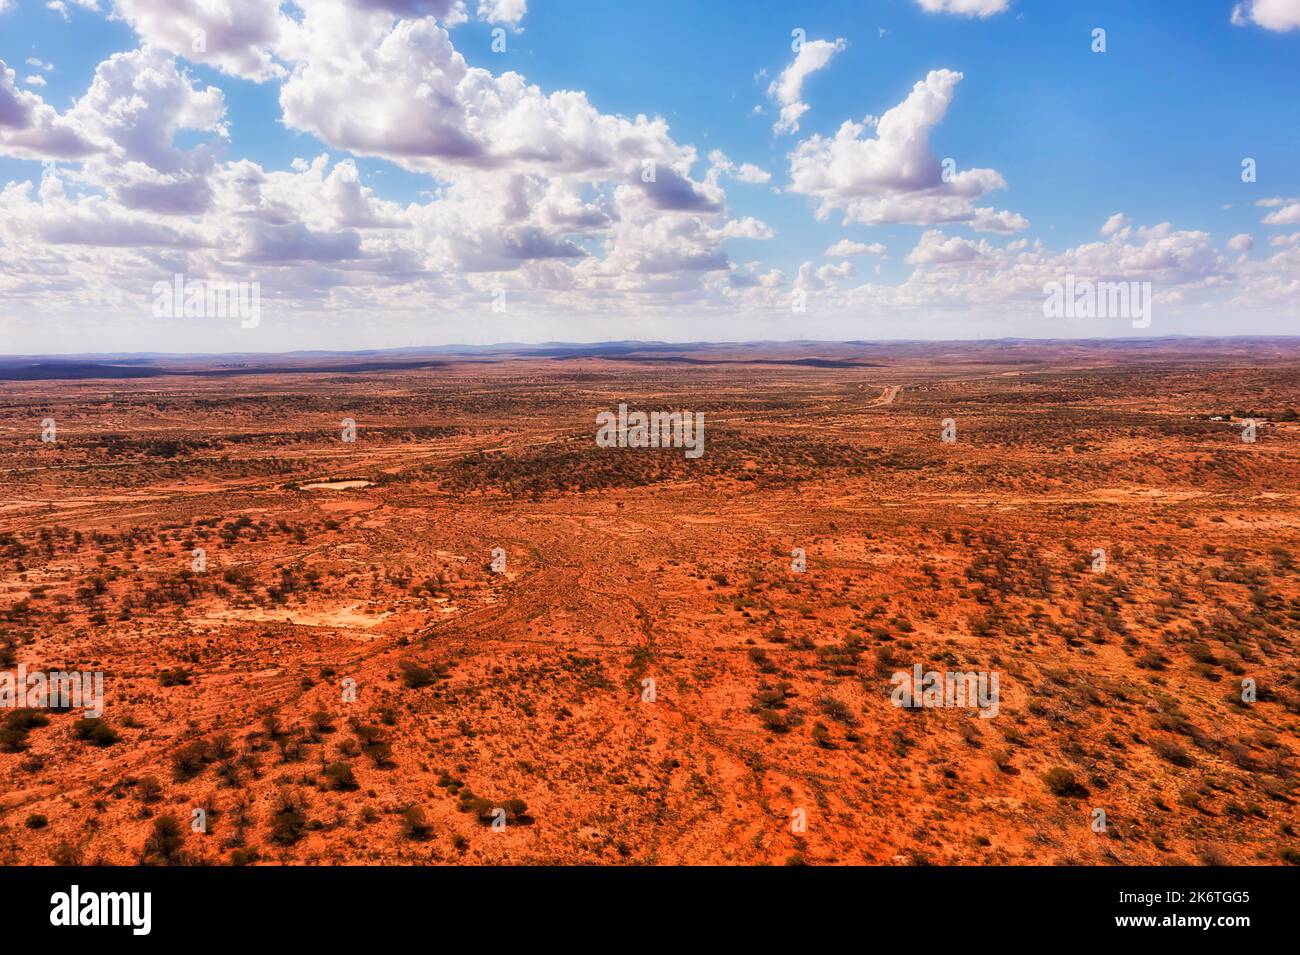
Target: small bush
[(94, 729), (340, 777), (516, 810), (14, 729), (1061, 782), (148, 789), (416, 676), (288, 818), (188, 761), (372, 743), (26, 719), (415, 826), (163, 847), (1171, 751), (321, 723)]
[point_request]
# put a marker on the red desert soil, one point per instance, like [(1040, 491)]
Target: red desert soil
[(520, 695)]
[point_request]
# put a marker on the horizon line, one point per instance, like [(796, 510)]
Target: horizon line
[(462, 347)]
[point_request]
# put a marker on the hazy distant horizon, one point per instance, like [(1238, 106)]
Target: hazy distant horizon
[(459, 348)]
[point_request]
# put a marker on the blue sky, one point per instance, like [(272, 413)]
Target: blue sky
[(1059, 138)]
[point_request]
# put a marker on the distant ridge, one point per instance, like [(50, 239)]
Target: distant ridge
[(799, 353)]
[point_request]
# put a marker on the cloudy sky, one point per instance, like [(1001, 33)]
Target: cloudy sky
[(409, 172)]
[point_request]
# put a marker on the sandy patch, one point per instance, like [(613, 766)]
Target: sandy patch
[(344, 617)]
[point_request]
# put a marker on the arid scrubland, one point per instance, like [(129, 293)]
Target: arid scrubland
[(472, 635)]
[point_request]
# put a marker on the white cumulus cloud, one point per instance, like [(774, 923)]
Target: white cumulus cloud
[(1278, 15), (509, 12), (1286, 211), (787, 89), (967, 8), (890, 177), (848, 247)]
